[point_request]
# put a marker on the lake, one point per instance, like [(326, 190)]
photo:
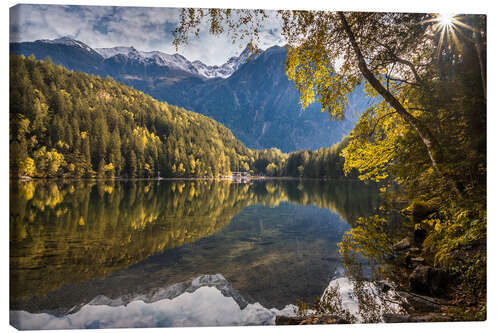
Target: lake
[(100, 254)]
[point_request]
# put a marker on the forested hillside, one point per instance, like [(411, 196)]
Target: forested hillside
[(255, 100), (66, 123), (71, 124), (321, 163)]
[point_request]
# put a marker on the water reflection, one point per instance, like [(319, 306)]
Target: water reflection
[(64, 233), (72, 242), (190, 303)]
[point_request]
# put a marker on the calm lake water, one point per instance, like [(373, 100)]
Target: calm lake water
[(175, 253)]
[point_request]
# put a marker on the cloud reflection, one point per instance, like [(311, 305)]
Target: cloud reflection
[(205, 306)]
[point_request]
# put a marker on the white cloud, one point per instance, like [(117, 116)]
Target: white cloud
[(144, 28)]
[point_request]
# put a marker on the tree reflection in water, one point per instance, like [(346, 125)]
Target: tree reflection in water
[(362, 294), (67, 232)]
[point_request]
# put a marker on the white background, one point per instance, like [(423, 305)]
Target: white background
[(428, 6)]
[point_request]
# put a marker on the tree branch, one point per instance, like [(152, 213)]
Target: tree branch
[(403, 61), (378, 120), (402, 81), (431, 144)]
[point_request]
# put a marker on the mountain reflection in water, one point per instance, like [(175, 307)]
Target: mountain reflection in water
[(274, 241), (183, 304), (191, 303)]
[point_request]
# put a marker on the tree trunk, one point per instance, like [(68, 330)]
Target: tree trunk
[(480, 55), (432, 145)]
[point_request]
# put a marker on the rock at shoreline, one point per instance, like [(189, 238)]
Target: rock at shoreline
[(417, 260), (402, 318), (419, 234), (420, 279), (402, 244), (310, 320), (428, 280), (412, 262), (386, 285)]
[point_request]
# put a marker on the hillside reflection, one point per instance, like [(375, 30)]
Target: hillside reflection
[(67, 233)]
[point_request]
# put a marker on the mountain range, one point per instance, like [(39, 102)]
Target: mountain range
[(250, 93)]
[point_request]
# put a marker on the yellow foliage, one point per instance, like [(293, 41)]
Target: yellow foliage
[(108, 189), (28, 190), (28, 167), (372, 147)]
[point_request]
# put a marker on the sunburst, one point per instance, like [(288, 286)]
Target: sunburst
[(448, 26), (446, 20)]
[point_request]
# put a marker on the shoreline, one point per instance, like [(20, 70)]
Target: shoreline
[(25, 179)]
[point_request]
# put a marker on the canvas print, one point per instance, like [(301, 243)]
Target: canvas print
[(217, 167)]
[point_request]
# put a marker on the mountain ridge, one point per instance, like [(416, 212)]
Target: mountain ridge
[(252, 96), (161, 58)]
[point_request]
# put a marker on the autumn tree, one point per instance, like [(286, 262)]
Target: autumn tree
[(426, 128), (331, 53)]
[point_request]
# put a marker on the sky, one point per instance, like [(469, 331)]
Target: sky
[(147, 29)]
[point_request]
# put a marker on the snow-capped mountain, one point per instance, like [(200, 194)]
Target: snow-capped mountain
[(252, 96), (66, 41), (227, 69), (153, 57), (108, 52), (177, 61)]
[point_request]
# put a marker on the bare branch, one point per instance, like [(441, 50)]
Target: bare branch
[(402, 61), (390, 78)]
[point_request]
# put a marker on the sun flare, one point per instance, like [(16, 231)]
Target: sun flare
[(446, 20), (448, 26)]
